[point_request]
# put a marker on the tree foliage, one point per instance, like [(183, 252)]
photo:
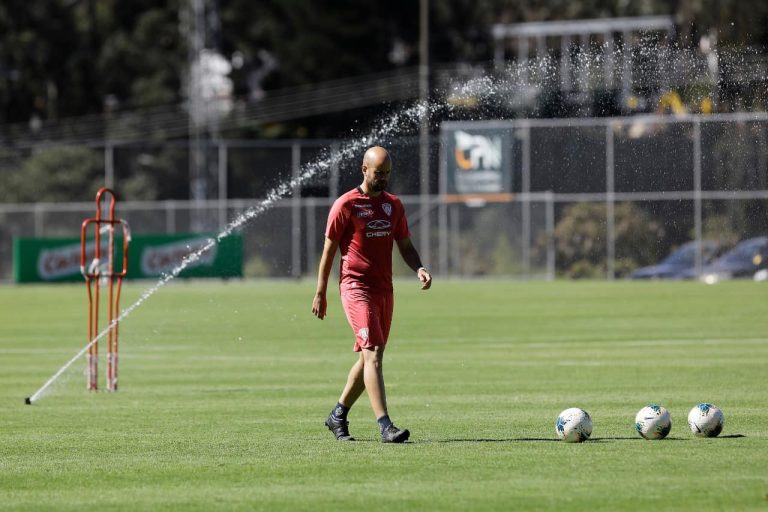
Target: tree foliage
[(61, 173), (581, 245), (68, 58), (63, 58)]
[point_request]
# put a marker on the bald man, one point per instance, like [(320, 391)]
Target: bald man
[(364, 224)]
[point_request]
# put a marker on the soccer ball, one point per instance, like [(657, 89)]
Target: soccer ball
[(573, 425), (706, 420), (653, 422)]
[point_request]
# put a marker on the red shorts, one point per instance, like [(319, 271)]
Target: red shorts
[(369, 314)]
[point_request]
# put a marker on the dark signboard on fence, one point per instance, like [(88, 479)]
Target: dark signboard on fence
[(475, 159), (149, 256)]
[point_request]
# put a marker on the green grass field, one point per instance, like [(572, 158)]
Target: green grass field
[(224, 389)]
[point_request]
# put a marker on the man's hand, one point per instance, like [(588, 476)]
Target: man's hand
[(319, 305), (425, 278)]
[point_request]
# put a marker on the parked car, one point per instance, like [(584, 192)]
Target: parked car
[(677, 264), (745, 260)]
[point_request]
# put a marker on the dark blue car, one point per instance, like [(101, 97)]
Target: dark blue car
[(680, 264), (745, 260)]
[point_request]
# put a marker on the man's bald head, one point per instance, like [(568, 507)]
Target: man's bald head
[(376, 156), (377, 166)]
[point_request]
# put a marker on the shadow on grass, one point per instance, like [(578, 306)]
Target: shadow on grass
[(631, 438), (538, 440), (485, 440), (551, 439), (529, 440), (638, 438)]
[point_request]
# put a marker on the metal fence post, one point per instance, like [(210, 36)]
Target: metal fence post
[(442, 245), (109, 166), (697, 221), (526, 190), (170, 217), (39, 225), (222, 184), (310, 205), (455, 239), (610, 257), (333, 178), (443, 238), (549, 198), (296, 211)]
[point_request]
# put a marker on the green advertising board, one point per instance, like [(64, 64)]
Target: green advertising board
[(149, 256)]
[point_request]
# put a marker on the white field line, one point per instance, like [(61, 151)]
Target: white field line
[(556, 341), (659, 342)]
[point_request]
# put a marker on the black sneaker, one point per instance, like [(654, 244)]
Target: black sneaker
[(392, 434), (340, 428)]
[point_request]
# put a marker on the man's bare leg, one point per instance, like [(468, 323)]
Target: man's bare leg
[(337, 420), (373, 377), (355, 384)]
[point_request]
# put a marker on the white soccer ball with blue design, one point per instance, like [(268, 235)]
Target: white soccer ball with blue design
[(653, 422), (573, 425), (706, 420)]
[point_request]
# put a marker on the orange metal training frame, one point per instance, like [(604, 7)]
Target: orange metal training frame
[(100, 274)]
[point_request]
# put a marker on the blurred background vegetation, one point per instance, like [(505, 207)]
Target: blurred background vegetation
[(64, 58)]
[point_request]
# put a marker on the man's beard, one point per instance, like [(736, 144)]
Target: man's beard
[(379, 186)]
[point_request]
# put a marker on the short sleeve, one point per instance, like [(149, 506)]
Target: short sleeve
[(401, 231), (337, 220)]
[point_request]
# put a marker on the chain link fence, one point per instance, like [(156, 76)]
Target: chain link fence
[(591, 197)]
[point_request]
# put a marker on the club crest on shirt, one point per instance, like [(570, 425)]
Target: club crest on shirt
[(387, 208)]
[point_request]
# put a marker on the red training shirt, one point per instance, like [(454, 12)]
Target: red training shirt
[(366, 228)]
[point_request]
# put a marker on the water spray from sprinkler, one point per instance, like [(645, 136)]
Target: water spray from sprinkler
[(408, 118)]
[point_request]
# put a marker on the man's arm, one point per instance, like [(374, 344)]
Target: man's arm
[(411, 257), (319, 304)]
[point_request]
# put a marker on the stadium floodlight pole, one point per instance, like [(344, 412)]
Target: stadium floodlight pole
[(424, 129), (198, 179)]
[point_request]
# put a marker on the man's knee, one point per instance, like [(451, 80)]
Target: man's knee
[(374, 355)]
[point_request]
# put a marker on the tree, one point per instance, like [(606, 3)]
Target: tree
[(143, 54), (63, 58), (62, 173), (319, 40), (580, 239), (34, 35)]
